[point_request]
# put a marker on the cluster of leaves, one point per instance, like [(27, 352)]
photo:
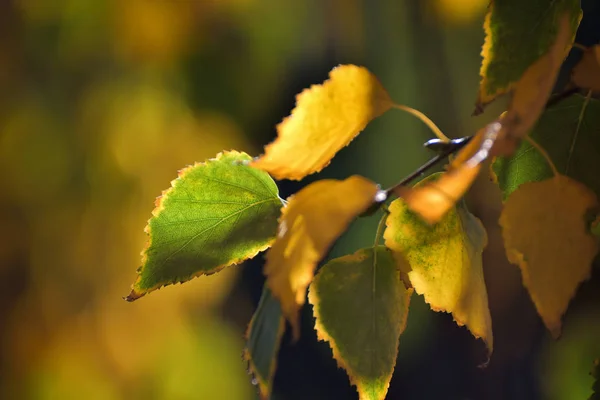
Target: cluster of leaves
[(227, 209)]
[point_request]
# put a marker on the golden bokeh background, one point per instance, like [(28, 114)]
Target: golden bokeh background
[(102, 101)]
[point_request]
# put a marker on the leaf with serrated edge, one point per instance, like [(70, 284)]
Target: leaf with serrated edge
[(326, 118), (586, 73), (517, 34), (569, 133), (361, 306), (313, 219), (263, 339), (545, 232), (215, 214), (445, 262)]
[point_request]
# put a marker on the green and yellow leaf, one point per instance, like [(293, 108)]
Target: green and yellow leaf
[(216, 214), (445, 262), (546, 233), (361, 306), (263, 339), (326, 118), (518, 34), (312, 221), (586, 73)]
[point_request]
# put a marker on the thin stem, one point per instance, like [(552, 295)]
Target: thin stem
[(544, 153), (579, 46), (576, 134), (381, 226), (426, 120)]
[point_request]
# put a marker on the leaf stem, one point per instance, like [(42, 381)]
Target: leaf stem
[(576, 134), (425, 119), (579, 46), (381, 226), (544, 153)]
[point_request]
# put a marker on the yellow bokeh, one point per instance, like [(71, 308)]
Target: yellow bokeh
[(460, 12)]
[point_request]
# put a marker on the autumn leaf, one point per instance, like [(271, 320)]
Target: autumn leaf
[(545, 232), (586, 73), (215, 214), (263, 340), (568, 132), (311, 222), (445, 262), (518, 33), (361, 306), (326, 118)]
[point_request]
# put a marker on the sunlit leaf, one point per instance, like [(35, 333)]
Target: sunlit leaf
[(312, 221), (445, 261), (326, 118), (568, 132), (586, 73), (545, 232), (517, 34), (215, 214), (361, 306), (263, 340)]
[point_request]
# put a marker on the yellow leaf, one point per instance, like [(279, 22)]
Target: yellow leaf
[(586, 73), (326, 118), (533, 89), (445, 261), (545, 233), (310, 223)]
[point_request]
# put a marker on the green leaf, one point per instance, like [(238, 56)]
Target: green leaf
[(216, 214), (445, 262), (361, 305), (570, 133), (517, 34), (263, 341)]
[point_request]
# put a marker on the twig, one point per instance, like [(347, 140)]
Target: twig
[(457, 145)]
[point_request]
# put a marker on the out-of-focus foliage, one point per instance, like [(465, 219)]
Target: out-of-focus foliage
[(101, 102), (97, 114), (460, 12)]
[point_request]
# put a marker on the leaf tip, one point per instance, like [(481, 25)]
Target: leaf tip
[(134, 295)]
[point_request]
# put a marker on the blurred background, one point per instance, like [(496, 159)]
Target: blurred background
[(102, 101)]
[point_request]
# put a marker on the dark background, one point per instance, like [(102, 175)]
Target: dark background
[(102, 101)]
